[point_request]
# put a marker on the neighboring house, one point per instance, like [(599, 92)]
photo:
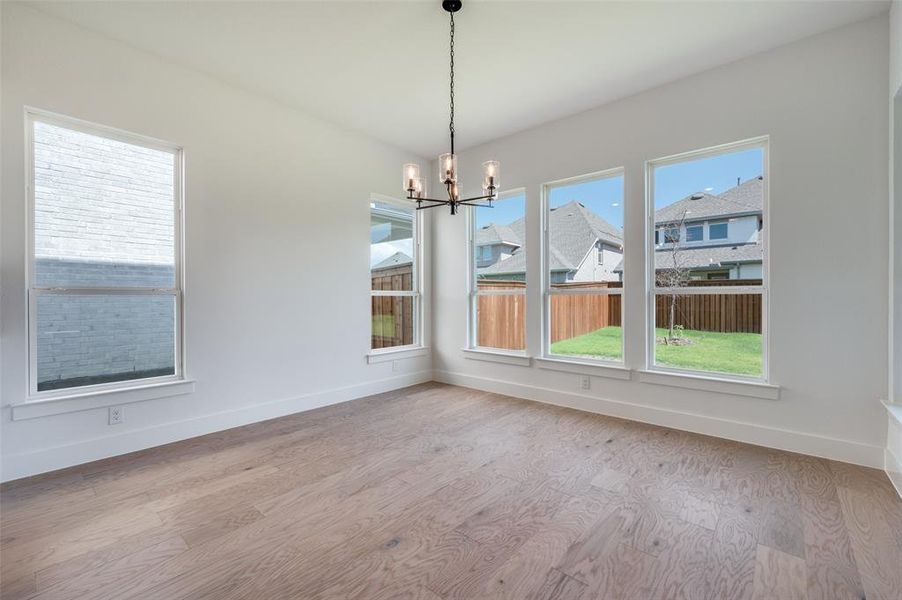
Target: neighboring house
[(582, 247), (398, 259), (718, 236)]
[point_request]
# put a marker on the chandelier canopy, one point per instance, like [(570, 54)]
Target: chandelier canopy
[(415, 185)]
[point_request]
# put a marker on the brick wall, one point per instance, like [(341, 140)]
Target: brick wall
[(103, 218)]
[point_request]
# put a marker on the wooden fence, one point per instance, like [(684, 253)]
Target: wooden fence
[(392, 316), (501, 319), (725, 313)]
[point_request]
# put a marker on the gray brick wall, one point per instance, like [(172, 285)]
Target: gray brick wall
[(103, 218)]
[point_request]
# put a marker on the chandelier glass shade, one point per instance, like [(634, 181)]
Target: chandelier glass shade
[(414, 183)]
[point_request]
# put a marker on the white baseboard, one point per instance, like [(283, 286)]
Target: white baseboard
[(781, 439), (16, 466), (894, 470)]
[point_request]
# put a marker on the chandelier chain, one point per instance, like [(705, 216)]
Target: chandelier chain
[(451, 124)]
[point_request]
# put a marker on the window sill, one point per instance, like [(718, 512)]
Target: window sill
[(584, 367), (390, 354), (894, 410), (57, 405), (498, 356), (702, 383)]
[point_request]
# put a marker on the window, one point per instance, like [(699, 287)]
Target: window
[(672, 235), (707, 304), (394, 274), (695, 233), (105, 300), (498, 290), (583, 296), (719, 231)]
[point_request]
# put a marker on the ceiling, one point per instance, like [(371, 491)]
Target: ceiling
[(382, 67)]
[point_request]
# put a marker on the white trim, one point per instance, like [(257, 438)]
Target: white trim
[(498, 356), (720, 290), (34, 115), (893, 467), (25, 464), (894, 410), (694, 380), (86, 400), (613, 370), (762, 435), (762, 142), (381, 355)]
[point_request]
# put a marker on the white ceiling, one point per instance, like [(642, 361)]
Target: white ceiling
[(382, 67)]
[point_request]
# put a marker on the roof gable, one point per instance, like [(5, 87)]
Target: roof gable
[(745, 198)]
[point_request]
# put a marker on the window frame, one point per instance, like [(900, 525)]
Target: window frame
[(32, 291), (545, 278), (416, 291), (763, 143), (473, 291)]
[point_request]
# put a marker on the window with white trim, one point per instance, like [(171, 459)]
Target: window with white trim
[(498, 274), (583, 258), (395, 233), (105, 257), (707, 301)]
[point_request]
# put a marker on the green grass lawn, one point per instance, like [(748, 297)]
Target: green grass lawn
[(736, 353)]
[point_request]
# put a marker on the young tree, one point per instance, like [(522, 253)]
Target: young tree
[(675, 273)]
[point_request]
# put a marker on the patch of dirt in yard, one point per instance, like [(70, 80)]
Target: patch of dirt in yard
[(674, 341)]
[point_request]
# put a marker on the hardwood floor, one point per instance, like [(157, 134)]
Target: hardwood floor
[(442, 492)]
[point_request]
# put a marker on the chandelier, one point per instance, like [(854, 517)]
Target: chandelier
[(415, 185)]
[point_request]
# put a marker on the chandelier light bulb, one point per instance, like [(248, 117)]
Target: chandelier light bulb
[(492, 178), (447, 167), (410, 173)]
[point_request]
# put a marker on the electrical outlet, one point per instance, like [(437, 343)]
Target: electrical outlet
[(117, 415), (585, 383), (396, 366)]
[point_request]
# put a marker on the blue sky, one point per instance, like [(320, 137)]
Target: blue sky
[(672, 182)]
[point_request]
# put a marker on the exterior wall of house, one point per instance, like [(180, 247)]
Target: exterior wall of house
[(498, 252), (104, 217), (740, 230), (590, 270)]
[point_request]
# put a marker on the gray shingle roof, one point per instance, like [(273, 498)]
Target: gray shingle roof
[(573, 230), (747, 197), (711, 256), (395, 260), (494, 233)]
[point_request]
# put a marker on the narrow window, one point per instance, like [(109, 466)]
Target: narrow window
[(105, 259), (394, 274), (583, 296), (708, 298), (498, 274)]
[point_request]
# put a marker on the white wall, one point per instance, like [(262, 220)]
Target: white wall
[(823, 102), (276, 232)]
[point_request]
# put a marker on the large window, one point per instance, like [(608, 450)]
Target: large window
[(583, 259), (105, 257), (708, 298), (394, 274), (498, 274)]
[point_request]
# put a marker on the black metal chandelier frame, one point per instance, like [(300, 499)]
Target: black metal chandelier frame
[(453, 201)]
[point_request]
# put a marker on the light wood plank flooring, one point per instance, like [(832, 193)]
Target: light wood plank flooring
[(442, 492)]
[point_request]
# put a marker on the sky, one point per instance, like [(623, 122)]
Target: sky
[(672, 182)]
